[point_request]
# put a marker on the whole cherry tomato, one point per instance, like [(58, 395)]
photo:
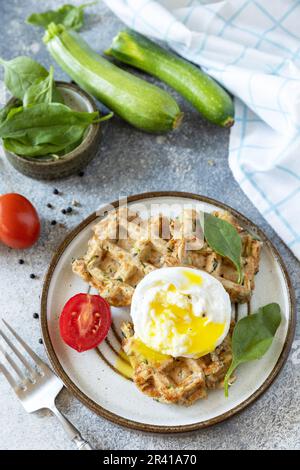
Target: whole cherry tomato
[(19, 221)]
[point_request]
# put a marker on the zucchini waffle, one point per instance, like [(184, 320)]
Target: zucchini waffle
[(179, 380), (124, 248)]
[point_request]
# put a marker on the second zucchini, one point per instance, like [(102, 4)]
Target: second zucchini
[(204, 93)]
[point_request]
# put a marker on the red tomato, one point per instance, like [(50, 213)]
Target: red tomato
[(85, 321), (19, 221)]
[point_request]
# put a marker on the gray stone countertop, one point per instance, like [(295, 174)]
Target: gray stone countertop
[(192, 159)]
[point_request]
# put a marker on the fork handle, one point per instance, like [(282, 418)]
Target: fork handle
[(82, 444), (70, 429)]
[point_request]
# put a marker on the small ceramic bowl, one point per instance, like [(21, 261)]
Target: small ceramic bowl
[(74, 161)]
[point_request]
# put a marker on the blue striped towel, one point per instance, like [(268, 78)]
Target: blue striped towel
[(253, 49)]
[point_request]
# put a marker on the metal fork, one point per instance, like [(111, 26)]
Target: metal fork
[(38, 386)]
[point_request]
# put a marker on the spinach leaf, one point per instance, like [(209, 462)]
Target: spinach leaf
[(4, 112), (25, 149), (42, 91), (252, 337), (224, 239), (21, 73), (44, 128), (70, 16), (57, 97)]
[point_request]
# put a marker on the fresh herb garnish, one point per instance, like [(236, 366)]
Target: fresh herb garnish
[(252, 337), (224, 239), (71, 16), (215, 264)]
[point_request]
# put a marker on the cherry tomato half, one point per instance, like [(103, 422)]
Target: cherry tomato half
[(19, 221), (85, 321)]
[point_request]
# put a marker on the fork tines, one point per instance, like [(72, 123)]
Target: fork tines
[(30, 373)]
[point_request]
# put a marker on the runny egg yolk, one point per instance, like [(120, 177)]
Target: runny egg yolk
[(144, 351), (200, 334), (192, 278), (180, 312)]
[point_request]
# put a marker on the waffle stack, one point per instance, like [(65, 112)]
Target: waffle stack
[(124, 248), (178, 380)]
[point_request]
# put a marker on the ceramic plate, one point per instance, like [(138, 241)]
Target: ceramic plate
[(93, 376)]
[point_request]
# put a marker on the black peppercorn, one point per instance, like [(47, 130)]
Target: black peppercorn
[(69, 210), (35, 315), (49, 205), (40, 341), (55, 191), (53, 222), (21, 261), (63, 211), (32, 276)]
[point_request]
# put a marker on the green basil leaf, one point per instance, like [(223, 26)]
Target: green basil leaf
[(44, 128), (224, 239), (252, 337), (21, 73), (70, 16), (43, 91)]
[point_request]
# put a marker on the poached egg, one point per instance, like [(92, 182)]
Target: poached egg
[(180, 312)]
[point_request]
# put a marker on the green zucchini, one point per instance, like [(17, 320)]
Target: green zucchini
[(138, 102), (204, 93)]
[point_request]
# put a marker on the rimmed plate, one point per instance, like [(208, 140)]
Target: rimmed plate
[(98, 377)]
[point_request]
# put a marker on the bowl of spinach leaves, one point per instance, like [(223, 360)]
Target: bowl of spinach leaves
[(49, 129)]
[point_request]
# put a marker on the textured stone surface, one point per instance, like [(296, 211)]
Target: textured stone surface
[(192, 159)]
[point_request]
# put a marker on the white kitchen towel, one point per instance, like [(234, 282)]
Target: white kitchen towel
[(253, 49)]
